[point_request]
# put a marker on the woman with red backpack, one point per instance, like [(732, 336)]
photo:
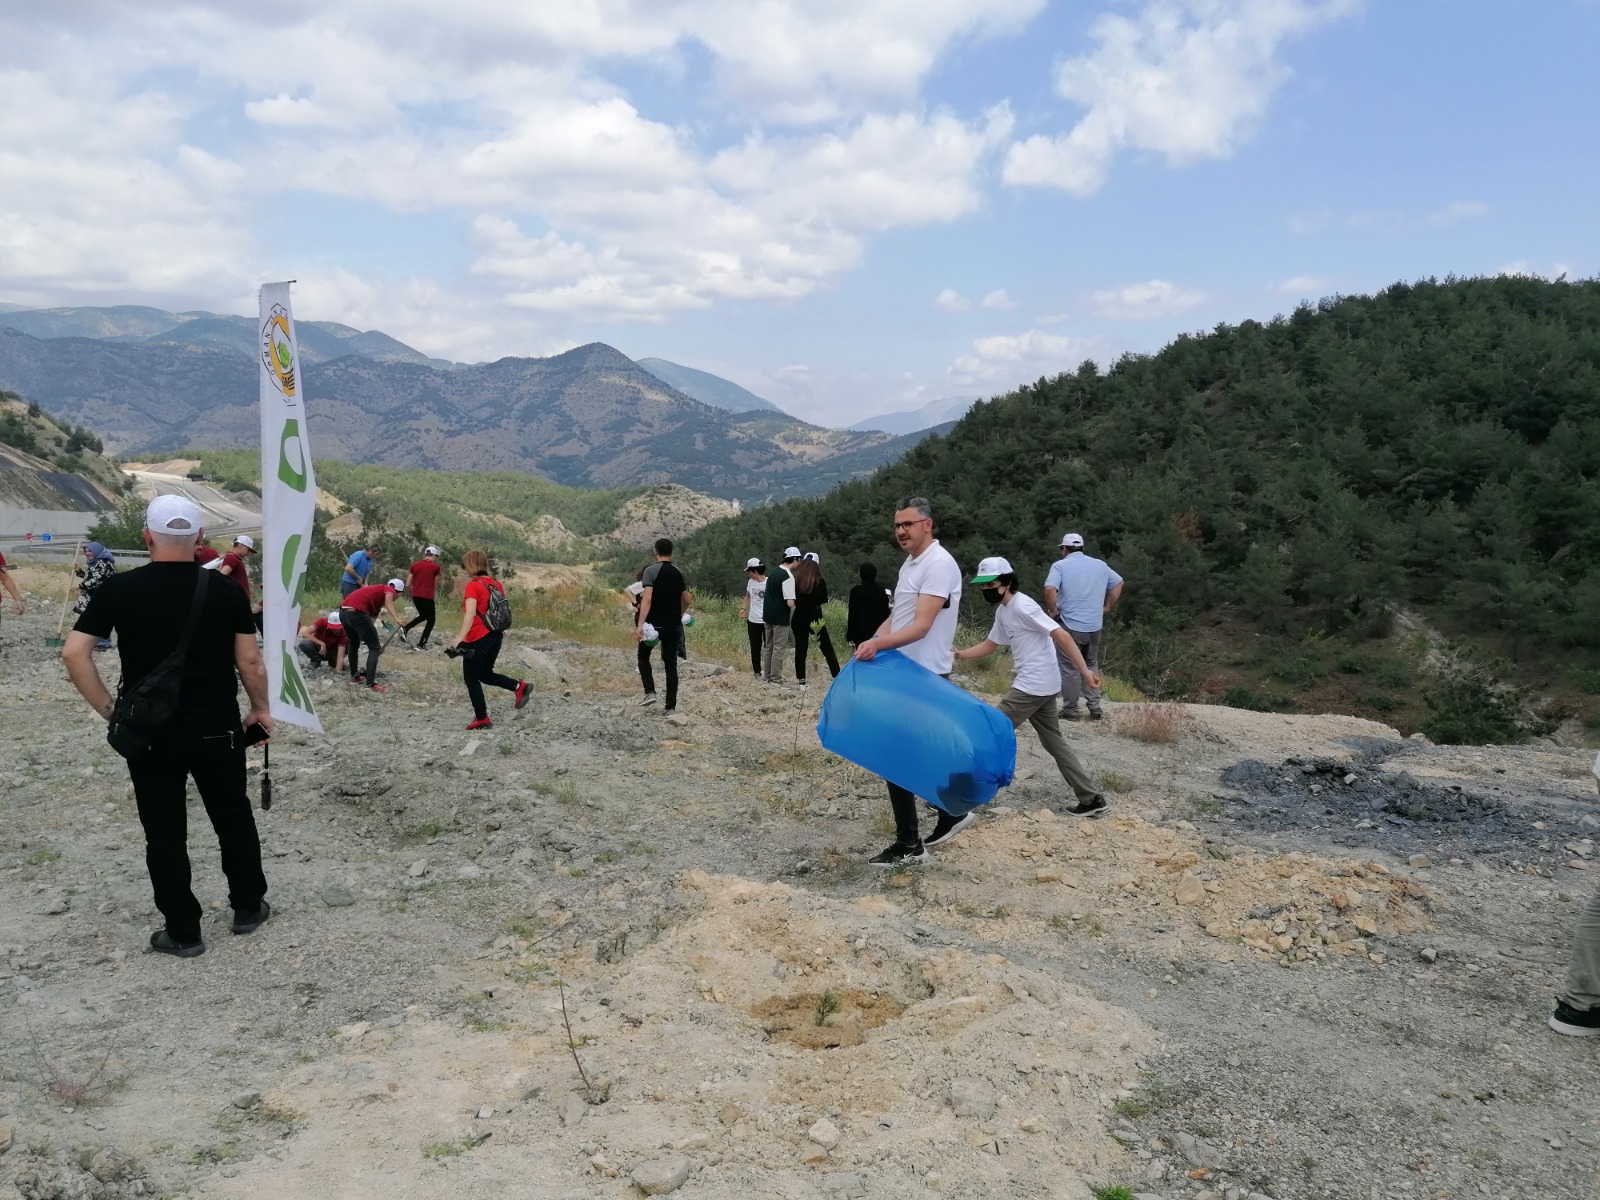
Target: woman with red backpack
[(485, 616)]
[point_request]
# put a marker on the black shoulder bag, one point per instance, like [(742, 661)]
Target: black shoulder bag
[(143, 711)]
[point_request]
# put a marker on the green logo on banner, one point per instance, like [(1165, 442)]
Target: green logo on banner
[(295, 587), (290, 473), (294, 691)]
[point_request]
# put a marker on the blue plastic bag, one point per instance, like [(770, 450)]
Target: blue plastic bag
[(899, 720)]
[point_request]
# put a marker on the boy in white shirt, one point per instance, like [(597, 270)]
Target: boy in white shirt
[(1036, 684)]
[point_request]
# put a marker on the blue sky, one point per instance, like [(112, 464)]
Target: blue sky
[(849, 207)]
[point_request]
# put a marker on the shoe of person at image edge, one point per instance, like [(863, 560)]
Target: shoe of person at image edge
[(1078, 592), (147, 609)]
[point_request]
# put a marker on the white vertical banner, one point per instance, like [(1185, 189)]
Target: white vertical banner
[(288, 504)]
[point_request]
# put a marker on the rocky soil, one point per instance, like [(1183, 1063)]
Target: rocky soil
[(594, 952)]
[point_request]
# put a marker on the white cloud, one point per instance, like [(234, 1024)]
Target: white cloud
[(1003, 361), (1146, 301), (951, 300), (998, 301), (1523, 267), (1186, 79), (1301, 287), (1461, 210)]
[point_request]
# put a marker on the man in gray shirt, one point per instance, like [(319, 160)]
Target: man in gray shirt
[(1078, 592)]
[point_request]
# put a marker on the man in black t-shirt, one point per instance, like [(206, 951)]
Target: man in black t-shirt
[(148, 609), (663, 603)]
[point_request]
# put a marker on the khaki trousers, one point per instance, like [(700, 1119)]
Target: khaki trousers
[(1040, 712), (775, 640), (1583, 968)]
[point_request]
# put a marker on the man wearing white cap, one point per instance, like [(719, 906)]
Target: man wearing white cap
[(777, 612), (422, 582), (324, 641), (170, 611), (750, 609), (1035, 641), (234, 567), (359, 611), (1078, 593)]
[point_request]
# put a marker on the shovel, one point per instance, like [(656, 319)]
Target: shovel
[(60, 640)]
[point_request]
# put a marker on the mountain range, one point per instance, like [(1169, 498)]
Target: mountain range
[(590, 417), (707, 388), (934, 413)]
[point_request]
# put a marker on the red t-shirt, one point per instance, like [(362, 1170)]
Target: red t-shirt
[(204, 554), (368, 599), (329, 635), (238, 574), (424, 578), (478, 590), (2, 562)]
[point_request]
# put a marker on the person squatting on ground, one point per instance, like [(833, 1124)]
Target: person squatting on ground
[(665, 595), (485, 616), (1078, 593), (422, 585), (1035, 640), (751, 610), (810, 594), (357, 613), (324, 641), (777, 610), (233, 565), (1577, 1011), (149, 608), (357, 569), (869, 607), (10, 586), (922, 626)]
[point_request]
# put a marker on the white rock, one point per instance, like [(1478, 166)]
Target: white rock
[(418, 869), (469, 749), (661, 1175), (824, 1133), (485, 1113), (971, 1097)]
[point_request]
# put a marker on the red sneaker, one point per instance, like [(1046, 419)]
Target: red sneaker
[(380, 687), (480, 723), (523, 692)]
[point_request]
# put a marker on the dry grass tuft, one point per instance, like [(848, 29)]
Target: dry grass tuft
[(1160, 723)]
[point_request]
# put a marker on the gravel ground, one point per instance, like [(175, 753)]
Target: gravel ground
[(1234, 985)]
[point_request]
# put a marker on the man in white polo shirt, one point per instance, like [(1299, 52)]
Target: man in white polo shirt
[(1035, 640), (922, 626), (1079, 592)]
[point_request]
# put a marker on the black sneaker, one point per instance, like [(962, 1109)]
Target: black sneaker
[(162, 943), (249, 922), (1096, 715), (899, 855), (1575, 1022), (947, 827), (1070, 714), (1094, 806)]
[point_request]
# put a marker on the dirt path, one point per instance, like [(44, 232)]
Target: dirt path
[(1221, 988)]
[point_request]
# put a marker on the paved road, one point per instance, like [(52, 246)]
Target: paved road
[(222, 514)]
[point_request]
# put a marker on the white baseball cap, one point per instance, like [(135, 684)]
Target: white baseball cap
[(172, 514), (398, 585), (753, 564), (334, 618), (791, 552), (432, 551), (991, 569), (245, 540), (1075, 540), (813, 556)]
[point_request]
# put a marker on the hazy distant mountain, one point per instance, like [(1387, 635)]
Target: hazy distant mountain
[(590, 417), (936, 412), (706, 387), (320, 341)]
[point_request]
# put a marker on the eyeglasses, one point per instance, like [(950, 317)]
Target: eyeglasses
[(899, 525)]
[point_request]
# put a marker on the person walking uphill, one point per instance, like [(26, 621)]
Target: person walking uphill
[(777, 611), (485, 617), (422, 584), (1022, 625), (810, 594), (154, 612), (752, 610), (922, 626), (356, 614), (1078, 593), (665, 598)]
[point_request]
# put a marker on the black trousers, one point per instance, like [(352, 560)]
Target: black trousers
[(671, 635), (907, 830), (425, 613), (360, 629), (802, 647), (758, 633), (316, 653), (477, 669), (160, 779)]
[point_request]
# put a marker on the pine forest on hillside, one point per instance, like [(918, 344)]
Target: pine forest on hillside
[(1278, 494)]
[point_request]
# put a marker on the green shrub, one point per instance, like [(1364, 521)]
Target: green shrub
[(1466, 708)]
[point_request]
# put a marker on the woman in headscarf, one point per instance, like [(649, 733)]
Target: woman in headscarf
[(99, 565)]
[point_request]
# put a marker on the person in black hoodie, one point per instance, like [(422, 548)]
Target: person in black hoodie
[(810, 594), (869, 607)]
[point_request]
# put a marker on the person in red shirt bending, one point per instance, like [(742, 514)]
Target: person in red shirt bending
[(204, 555), (422, 583), (481, 635), (325, 641), (233, 566), (356, 612)]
